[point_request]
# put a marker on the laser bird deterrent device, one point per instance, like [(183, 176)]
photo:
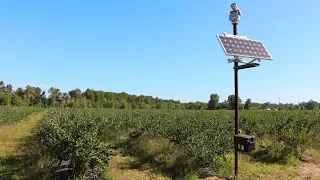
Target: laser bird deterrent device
[(235, 14), (241, 47)]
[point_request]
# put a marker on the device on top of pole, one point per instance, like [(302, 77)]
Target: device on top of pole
[(241, 47)]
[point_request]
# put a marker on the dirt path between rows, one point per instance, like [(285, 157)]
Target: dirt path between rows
[(310, 169), (18, 156)]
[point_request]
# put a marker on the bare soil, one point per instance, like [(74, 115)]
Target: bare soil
[(310, 169)]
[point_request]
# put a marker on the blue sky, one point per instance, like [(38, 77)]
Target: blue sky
[(164, 48)]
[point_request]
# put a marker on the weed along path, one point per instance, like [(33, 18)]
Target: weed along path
[(16, 160), (12, 135), (129, 168)]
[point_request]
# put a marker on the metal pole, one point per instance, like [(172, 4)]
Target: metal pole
[(236, 112)]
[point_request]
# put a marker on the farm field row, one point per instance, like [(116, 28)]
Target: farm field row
[(13, 114), (176, 144)]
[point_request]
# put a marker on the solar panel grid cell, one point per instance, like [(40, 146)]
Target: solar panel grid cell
[(234, 46)]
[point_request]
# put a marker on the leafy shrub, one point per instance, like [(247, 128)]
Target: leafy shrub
[(296, 129), (203, 137), (72, 136), (162, 154), (13, 114), (180, 142), (271, 151)]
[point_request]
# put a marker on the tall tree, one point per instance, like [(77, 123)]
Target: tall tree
[(312, 105), (9, 88), (213, 102), (247, 104), (2, 86), (76, 93), (54, 96), (231, 101), (265, 105)]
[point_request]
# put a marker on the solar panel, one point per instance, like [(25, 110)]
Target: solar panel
[(243, 47)]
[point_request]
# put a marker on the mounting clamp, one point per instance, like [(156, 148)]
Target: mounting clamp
[(236, 59), (255, 59), (235, 36)]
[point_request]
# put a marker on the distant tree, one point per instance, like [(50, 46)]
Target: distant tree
[(5, 98), (297, 107), (265, 105), (2, 86), (54, 96), (312, 105), (232, 100), (20, 92), (9, 88), (247, 104), (124, 104), (34, 96), (213, 102), (17, 101), (177, 106), (224, 105), (134, 105), (143, 105), (160, 106), (76, 93)]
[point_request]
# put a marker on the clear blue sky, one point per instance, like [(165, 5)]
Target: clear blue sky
[(164, 48)]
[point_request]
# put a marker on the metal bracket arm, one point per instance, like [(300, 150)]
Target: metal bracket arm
[(237, 36), (256, 59), (236, 59)]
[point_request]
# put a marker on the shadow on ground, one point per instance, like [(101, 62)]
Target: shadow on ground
[(27, 163)]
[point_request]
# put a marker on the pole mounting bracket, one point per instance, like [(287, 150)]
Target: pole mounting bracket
[(236, 59), (237, 36), (239, 59), (255, 59)]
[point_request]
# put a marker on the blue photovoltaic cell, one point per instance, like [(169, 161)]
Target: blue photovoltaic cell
[(235, 46)]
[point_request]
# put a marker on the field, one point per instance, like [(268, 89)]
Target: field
[(176, 144), (9, 115)]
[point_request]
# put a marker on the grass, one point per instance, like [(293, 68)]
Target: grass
[(253, 170), (129, 168), (315, 153), (151, 155), (160, 154), (11, 135), (19, 153), (250, 170)]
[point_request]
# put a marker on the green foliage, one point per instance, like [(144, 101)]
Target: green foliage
[(247, 104), (180, 142), (232, 100), (201, 137), (271, 151), (73, 136), (214, 102), (34, 96), (9, 114), (295, 129), (5, 98)]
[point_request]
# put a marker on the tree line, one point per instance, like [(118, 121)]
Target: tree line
[(248, 104), (34, 96)]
